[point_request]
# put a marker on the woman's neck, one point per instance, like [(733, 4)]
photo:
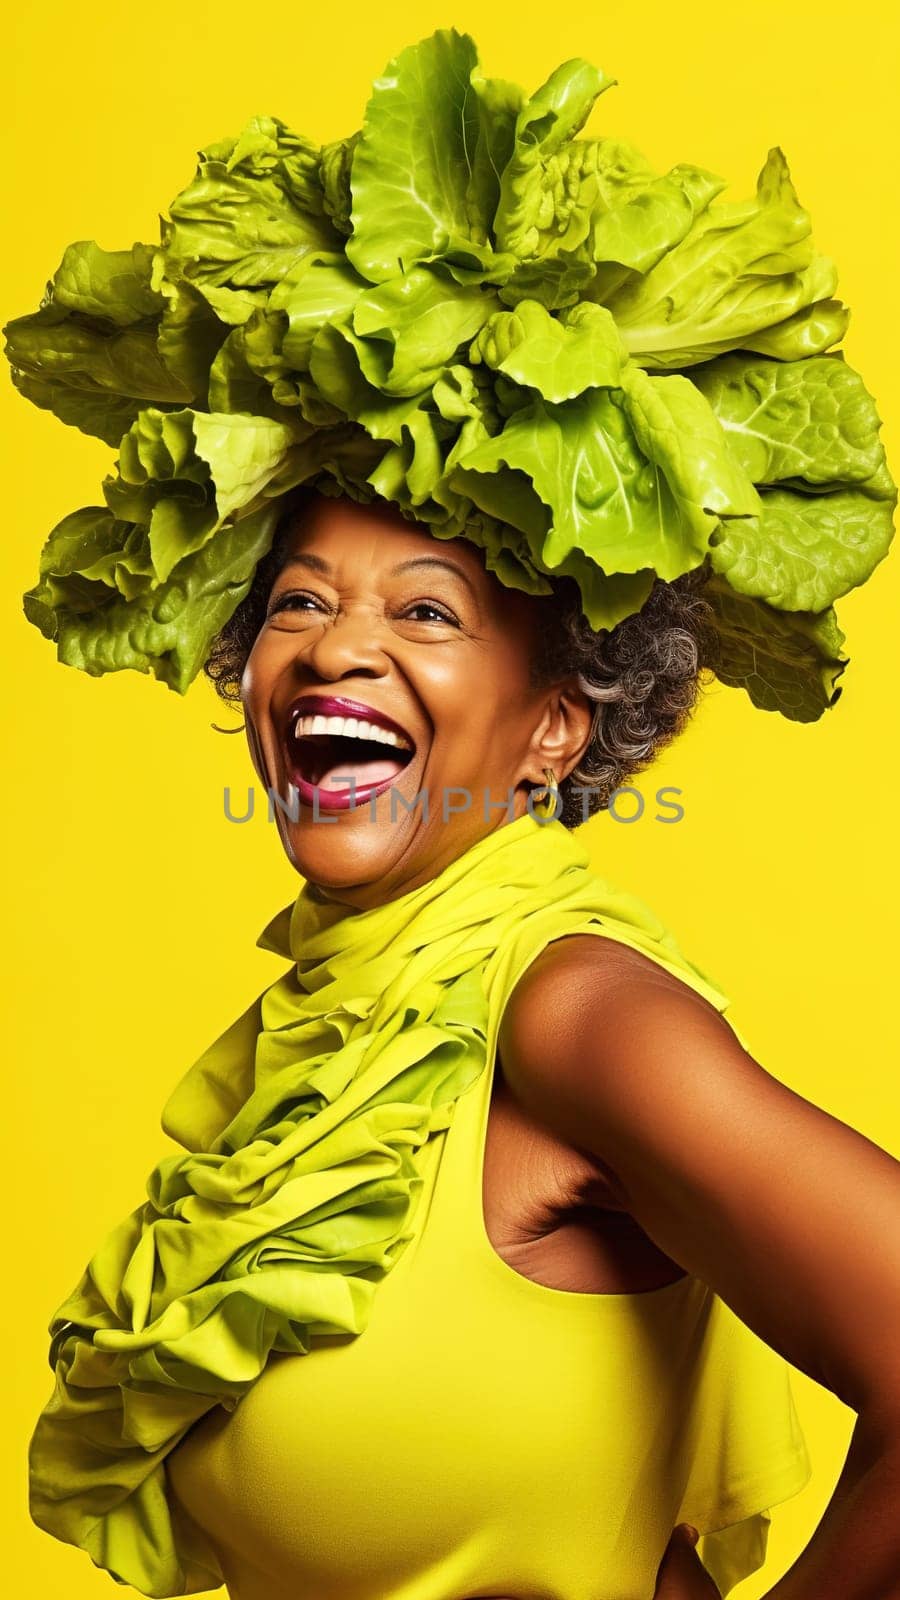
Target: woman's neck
[(402, 878)]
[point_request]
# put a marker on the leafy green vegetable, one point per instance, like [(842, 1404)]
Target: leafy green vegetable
[(680, 434), (412, 328), (254, 209), (113, 285), (740, 269), (517, 334), (607, 499), (418, 196), (147, 580), (803, 552), (166, 630), (639, 233), (335, 162), (541, 198), (787, 661), (561, 356), (321, 289), (183, 474), (812, 422), (91, 354)]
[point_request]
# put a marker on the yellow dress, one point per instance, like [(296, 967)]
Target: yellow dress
[(491, 1436), (464, 1431)]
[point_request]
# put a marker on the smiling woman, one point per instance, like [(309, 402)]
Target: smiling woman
[(643, 679), (456, 452), (435, 644)]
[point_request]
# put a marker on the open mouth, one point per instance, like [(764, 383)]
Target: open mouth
[(342, 759)]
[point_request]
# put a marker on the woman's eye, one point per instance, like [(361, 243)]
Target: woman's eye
[(436, 611), (300, 602), (292, 600)]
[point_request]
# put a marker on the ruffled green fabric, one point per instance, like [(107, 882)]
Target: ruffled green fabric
[(302, 1127), (516, 335)]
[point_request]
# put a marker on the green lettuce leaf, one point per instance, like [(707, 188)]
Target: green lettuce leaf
[(789, 662), (323, 288), (638, 233), (636, 479), (499, 104), (678, 431), (336, 367), (413, 327), (83, 404), (338, 460), (113, 285), (147, 580), (92, 354), (181, 475), (807, 432), (607, 501), (166, 630), (806, 422), (87, 556), (809, 332), (409, 470), (422, 176), (559, 356), (555, 198), (802, 552), (263, 366), (251, 374), (335, 162), (236, 384), (740, 269), (255, 207), (549, 183), (506, 551), (190, 336)]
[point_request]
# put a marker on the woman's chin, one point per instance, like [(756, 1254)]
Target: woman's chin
[(337, 841)]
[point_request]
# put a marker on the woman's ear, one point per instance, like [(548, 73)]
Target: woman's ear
[(565, 733)]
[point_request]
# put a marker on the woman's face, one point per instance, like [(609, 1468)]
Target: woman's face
[(374, 620)]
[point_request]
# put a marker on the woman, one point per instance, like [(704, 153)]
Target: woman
[(604, 1150), (496, 588)]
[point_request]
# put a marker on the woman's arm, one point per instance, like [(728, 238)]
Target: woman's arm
[(787, 1213)]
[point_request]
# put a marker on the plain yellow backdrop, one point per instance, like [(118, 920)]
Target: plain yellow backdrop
[(134, 905)]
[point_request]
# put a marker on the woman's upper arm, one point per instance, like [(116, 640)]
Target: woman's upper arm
[(787, 1213)]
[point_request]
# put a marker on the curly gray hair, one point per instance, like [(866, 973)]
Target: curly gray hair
[(644, 675)]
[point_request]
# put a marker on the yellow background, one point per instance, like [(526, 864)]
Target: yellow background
[(134, 905)]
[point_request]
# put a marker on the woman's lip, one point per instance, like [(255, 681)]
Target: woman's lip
[(327, 705), (312, 794)]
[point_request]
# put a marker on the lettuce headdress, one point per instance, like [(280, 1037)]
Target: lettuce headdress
[(522, 337)]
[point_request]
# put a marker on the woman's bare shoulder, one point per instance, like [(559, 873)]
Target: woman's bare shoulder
[(585, 977), (731, 1173)]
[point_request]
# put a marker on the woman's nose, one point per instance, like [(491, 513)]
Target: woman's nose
[(350, 643)]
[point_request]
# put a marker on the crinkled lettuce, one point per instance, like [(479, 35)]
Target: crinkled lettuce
[(518, 334), (151, 576)]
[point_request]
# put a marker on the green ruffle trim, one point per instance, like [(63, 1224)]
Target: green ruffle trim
[(302, 1126)]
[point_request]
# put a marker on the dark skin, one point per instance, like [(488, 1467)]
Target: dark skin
[(457, 680), (646, 1146)]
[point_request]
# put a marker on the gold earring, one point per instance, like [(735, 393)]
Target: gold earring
[(548, 803)]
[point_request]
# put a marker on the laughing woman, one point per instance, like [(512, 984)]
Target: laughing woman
[(456, 452)]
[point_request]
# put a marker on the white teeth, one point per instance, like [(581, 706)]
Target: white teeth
[(350, 727)]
